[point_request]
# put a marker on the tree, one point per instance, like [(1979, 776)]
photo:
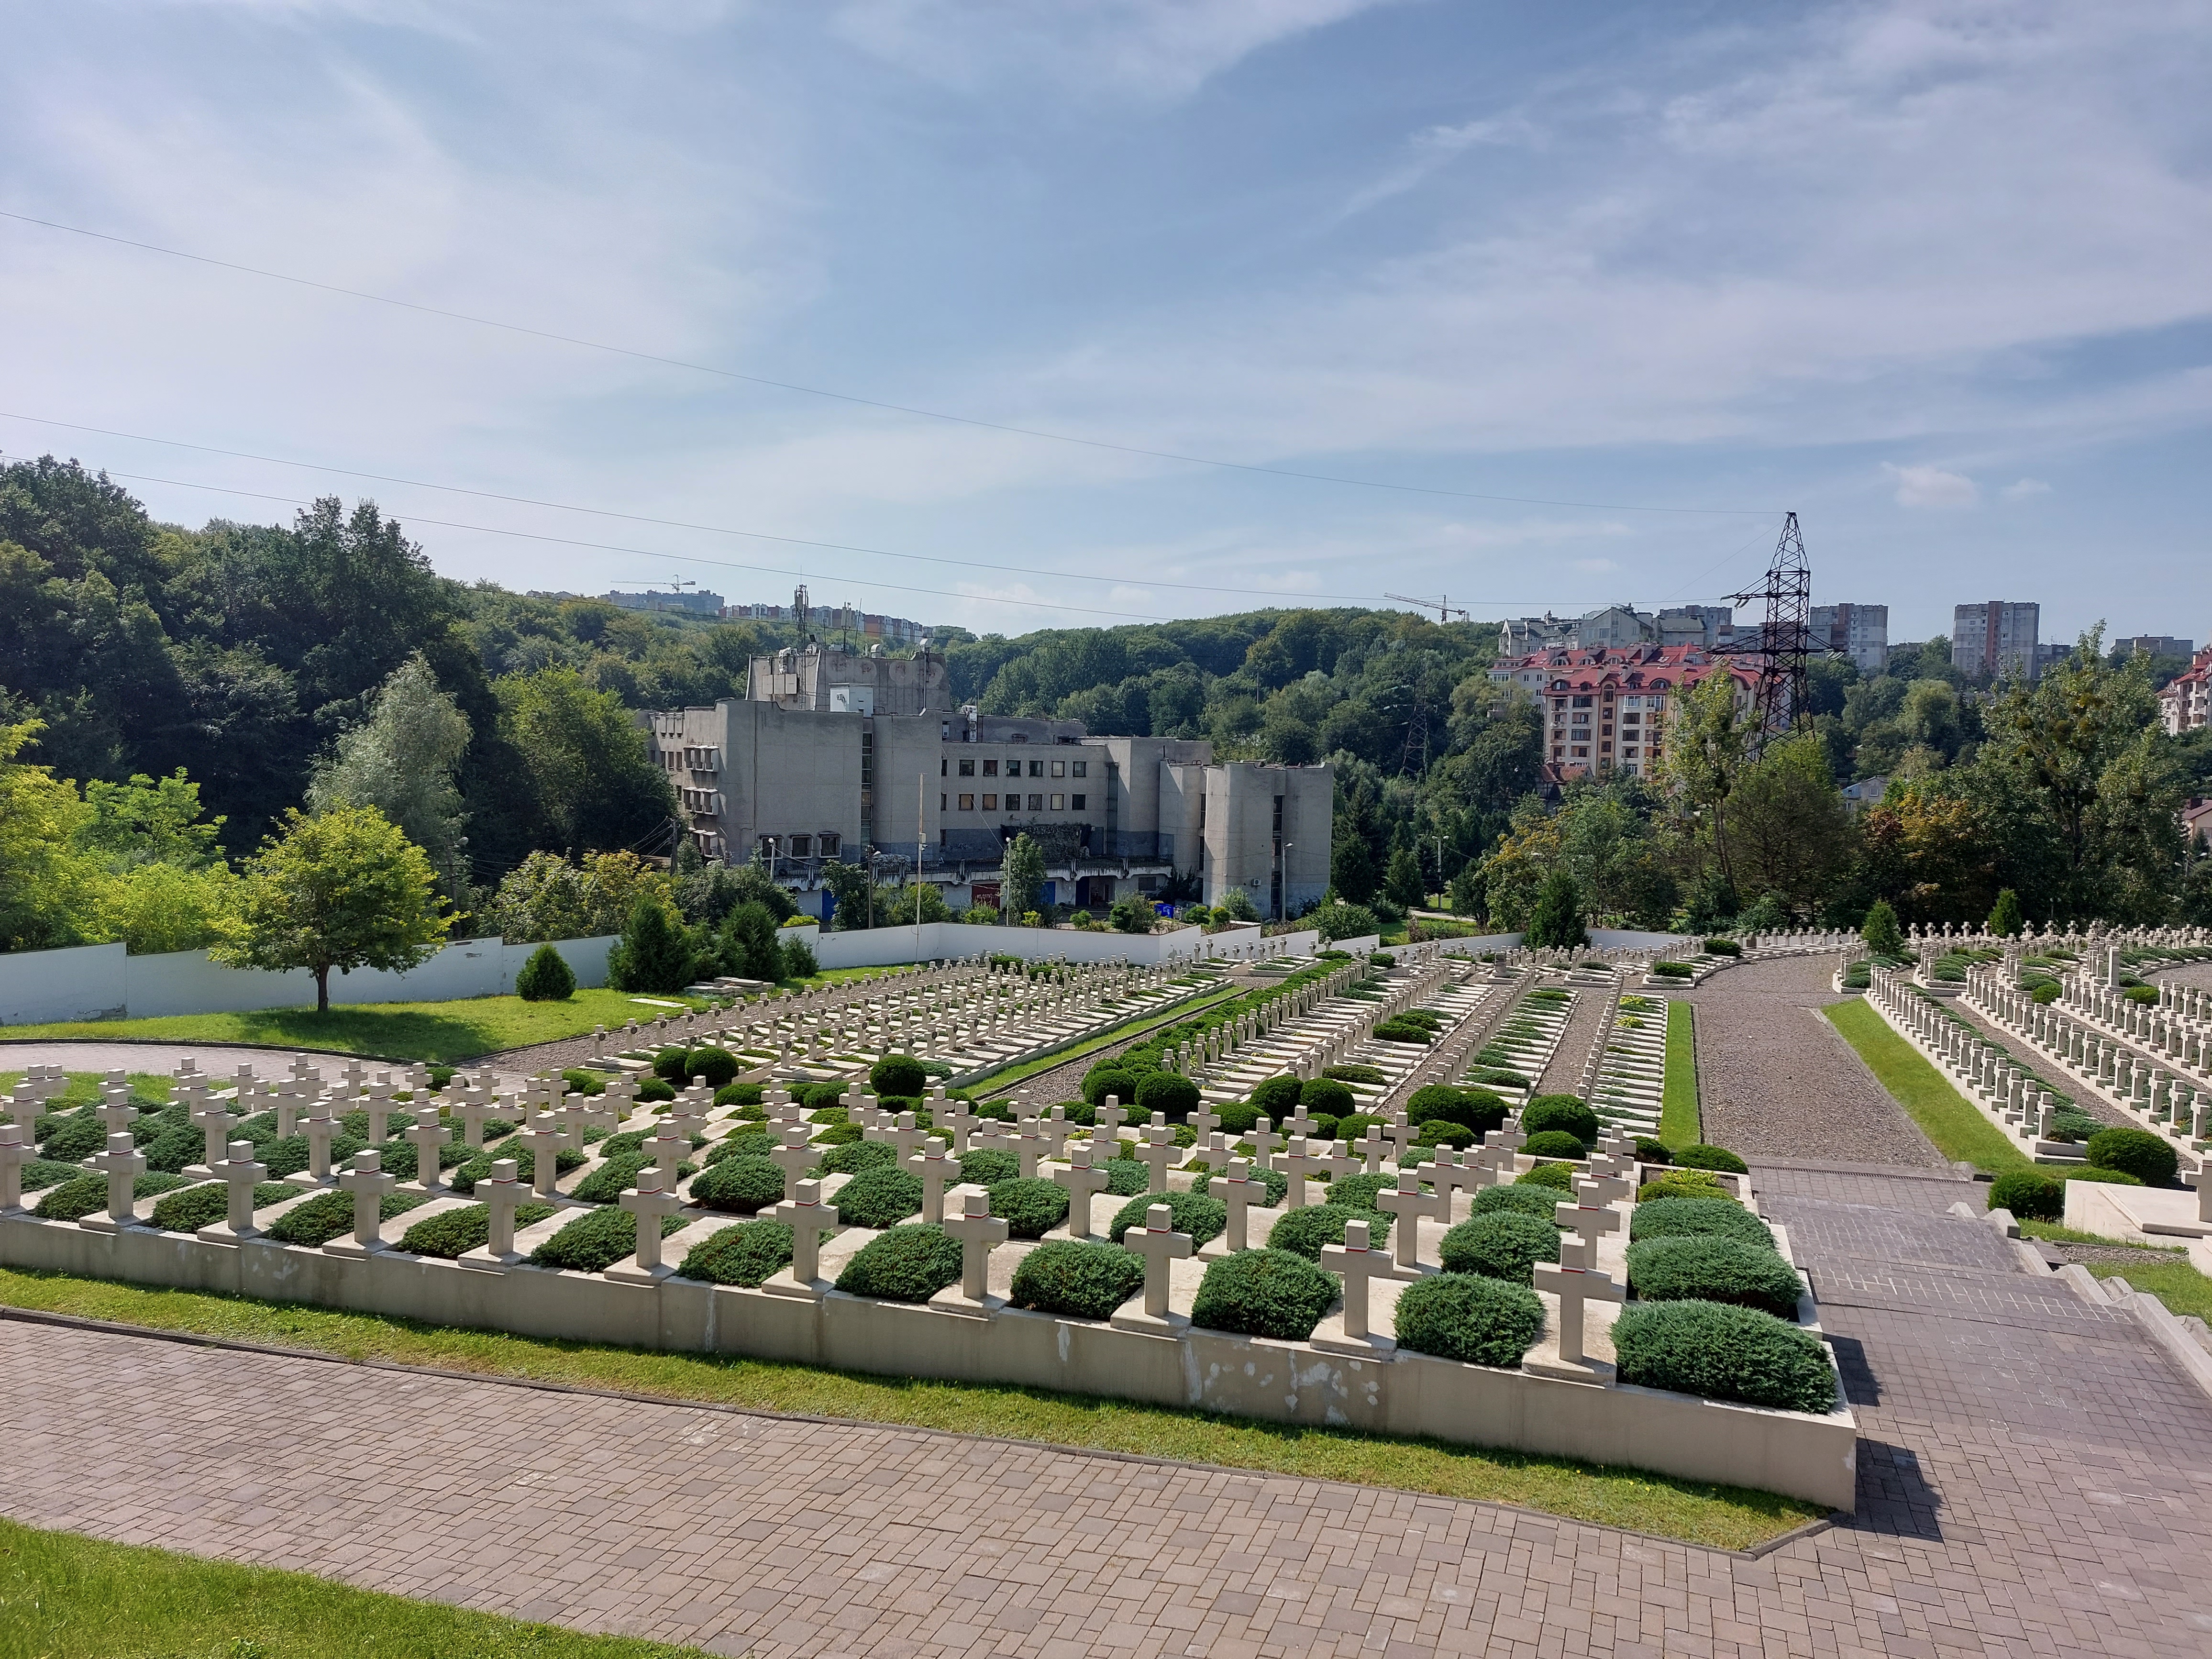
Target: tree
[(401, 760), (750, 949), (1463, 895), (1236, 906), (596, 784), (1133, 913), (546, 977), (1557, 924), (1352, 872), (345, 889), (49, 888), (1882, 935), (1792, 834), (1024, 876), (150, 820), (1336, 920), (655, 953), (2005, 917), (1404, 884), (854, 891), (1704, 752), (917, 902)]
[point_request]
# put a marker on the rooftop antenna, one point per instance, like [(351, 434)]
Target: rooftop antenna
[(798, 609), (1445, 611), (1785, 637)]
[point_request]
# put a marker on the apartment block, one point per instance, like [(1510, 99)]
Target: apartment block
[(1607, 711), (2155, 645), (2185, 704), (1860, 632), (1995, 637)]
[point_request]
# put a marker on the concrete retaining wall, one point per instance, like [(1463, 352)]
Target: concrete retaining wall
[(939, 941)]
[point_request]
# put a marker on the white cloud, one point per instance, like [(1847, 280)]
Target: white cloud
[(1596, 567), (1432, 147), (1932, 486), (2025, 488)]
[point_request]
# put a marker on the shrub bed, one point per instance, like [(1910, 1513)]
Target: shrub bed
[(1303, 1232), (1560, 1177), (1442, 1132), (1326, 1094), (1125, 1177), (1352, 1072), (451, 1234), (596, 1240), (190, 1208), (1685, 1183), (1538, 1201), (739, 1185), (1031, 1206), (1402, 1029), (1277, 1183), (746, 1142), (906, 1264), (87, 1195), (897, 1074), (746, 1254), (1109, 1080), (1704, 1157), (982, 1167), (1649, 1150), (881, 1197), (42, 1172), (1677, 1218), (1722, 1352), (1703, 1267), (1077, 1280), (653, 1090), (1200, 1214), (1566, 1114), (326, 1215), (1463, 1316), (1674, 971), (1349, 1130), (717, 1066), (1236, 1117), (1554, 1143), (739, 1094), (1504, 1245), (1169, 1092), (855, 1157), (1266, 1292), (2149, 1158), (1276, 1097), (617, 1174), (2030, 1194)]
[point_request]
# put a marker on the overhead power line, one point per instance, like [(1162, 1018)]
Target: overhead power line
[(866, 402)]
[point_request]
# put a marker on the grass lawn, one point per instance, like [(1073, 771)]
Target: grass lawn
[(2167, 1276), (1945, 1116), (1679, 1124), (1725, 1518), (84, 1087), (67, 1597), (999, 1082)]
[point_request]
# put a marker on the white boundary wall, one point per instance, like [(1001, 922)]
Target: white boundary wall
[(104, 981), (939, 941)]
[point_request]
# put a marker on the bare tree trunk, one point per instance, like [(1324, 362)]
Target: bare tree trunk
[(323, 989)]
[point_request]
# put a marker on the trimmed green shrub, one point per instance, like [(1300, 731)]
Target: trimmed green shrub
[(1673, 970), (1704, 1157), (1564, 1113), (739, 1094), (452, 1233), (839, 1135), (1277, 1183), (1402, 1030), (718, 1066), (1325, 1128), (1649, 1150), (1358, 1191), (1554, 1143), (2030, 1194), (617, 1174), (1236, 1118), (633, 1140), (1700, 1267), (819, 1098), (2149, 1158), (1303, 1232), (668, 1064), (1505, 1245), (654, 1089), (326, 1215), (1125, 1177), (1676, 1218), (1031, 1206), (582, 1081), (546, 977), (1517, 1195), (1560, 1177), (87, 1195), (1077, 1280), (75, 1137), (1723, 947), (1109, 1080), (746, 1254), (880, 1197), (596, 1240), (1497, 1076), (1326, 1094), (47, 1171), (906, 1264), (855, 1157), (188, 1209), (1200, 1214), (898, 1074), (746, 1142), (1439, 1132), (1267, 1292), (1352, 1072), (1478, 1321), (1351, 1129), (1169, 1092), (1685, 1183), (740, 1185), (982, 1166), (1720, 1352), (1439, 1103), (1275, 1098), (999, 1111), (2109, 1177)]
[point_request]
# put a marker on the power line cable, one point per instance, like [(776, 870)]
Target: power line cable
[(869, 403)]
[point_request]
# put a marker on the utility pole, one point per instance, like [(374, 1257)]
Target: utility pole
[(1784, 638)]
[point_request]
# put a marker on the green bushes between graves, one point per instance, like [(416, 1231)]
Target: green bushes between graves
[(87, 1195), (1439, 1132), (1560, 1177), (1722, 1352), (326, 1215), (546, 977), (1031, 1206), (1463, 1316), (2149, 1158), (190, 1208), (898, 1074), (1685, 1183), (1266, 1292), (1359, 1191), (596, 1240), (617, 1174), (1351, 1130), (739, 1185), (2030, 1194), (1238, 1118), (1077, 1280), (880, 1197), (1554, 1143), (1402, 1030), (1674, 971), (1538, 1201), (1277, 1183), (1352, 1072), (1564, 1113), (906, 1264), (1701, 1267), (42, 1172), (452, 1233), (717, 1066), (582, 1081), (982, 1166), (1109, 1080), (1303, 1232), (2107, 1177), (1649, 1150), (1200, 1214), (1276, 1097), (1676, 1218), (739, 1094), (1169, 1092), (746, 1254), (1504, 1245), (1326, 1094), (668, 1064), (1704, 1157), (855, 1157), (655, 1090)]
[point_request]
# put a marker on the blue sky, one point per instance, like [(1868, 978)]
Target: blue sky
[(1935, 275)]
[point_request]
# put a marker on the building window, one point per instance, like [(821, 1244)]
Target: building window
[(1076, 801), (829, 844), (1629, 752), (1059, 802), (1582, 720), (990, 768), (1079, 768), (1037, 803), (942, 764), (1581, 752), (1631, 720), (967, 803), (1584, 703), (942, 800), (802, 847), (967, 768), (1558, 752), (1036, 768), (990, 803), (1060, 769)]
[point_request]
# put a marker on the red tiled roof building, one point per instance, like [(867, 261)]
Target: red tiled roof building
[(1605, 708)]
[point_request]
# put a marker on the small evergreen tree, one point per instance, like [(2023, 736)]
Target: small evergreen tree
[(1404, 884), (654, 954), (799, 961), (546, 977), (2005, 919), (1880, 933), (749, 947), (1557, 924), (1025, 876), (1133, 913)]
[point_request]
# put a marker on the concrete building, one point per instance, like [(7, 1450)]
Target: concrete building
[(1995, 637), (2155, 645), (832, 621), (1860, 632), (2185, 703), (838, 755), (1607, 710), (697, 602), (1615, 627), (1709, 626)]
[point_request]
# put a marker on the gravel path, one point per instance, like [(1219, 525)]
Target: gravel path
[(160, 1058), (1564, 1076), (1775, 1079)]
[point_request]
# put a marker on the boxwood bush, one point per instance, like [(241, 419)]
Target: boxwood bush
[(1701, 1267), (1560, 1177), (596, 1240), (1169, 1092), (906, 1264), (1442, 1132), (718, 1066), (617, 1174), (1267, 1292), (1109, 1080), (653, 1090), (1675, 1217), (1685, 1183), (2150, 1158), (1236, 1118), (1554, 1143), (1503, 1245), (739, 1185), (1275, 1098), (1277, 1183), (1326, 1094), (1564, 1113), (1723, 1352), (188, 1209), (1538, 1201), (1125, 1177), (739, 1094), (2110, 1177), (42, 1172), (583, 1081), (1353, 1072), (982, 1166), (1200, 1214), (1705, 1157), (1303, 1232), (1649, 1150), (1400, 1028), (855, 1157), (452, 1233), (1674, 971), (87, 1195), (880, 1197), (668, 1064), (1031, 1206), (1352, 1129), (1463, 1316), (747, 1254), (1078, 1280), (898, 1074), (75, 1137), (326, 1215), (746, 1142), (2030, 1194)]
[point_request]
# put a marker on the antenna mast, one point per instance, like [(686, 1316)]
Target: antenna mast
[(1785, 637)]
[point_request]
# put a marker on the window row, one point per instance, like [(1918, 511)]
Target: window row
[(800, 846), (1037, 803), (1038, 768)]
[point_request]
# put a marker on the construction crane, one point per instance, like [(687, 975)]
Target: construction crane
[(1445, 612), (1784, 638)]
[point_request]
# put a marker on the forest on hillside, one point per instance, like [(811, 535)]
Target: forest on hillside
[(191, 686)]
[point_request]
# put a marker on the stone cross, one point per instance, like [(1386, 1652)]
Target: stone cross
[(1030, 1146), (1372, 1148), (667, 1149), (1409, 1203), (649, 1202), (808, 1217), (243, 1175), (1111, 1118), (935, 1163), (545, 1155), (1238, 1190), (320, 1126), (502, 1194), (1204, 1120), (122, 1163), (962, 1120), (427, 1136), (1264, 1141), (379, 1106), (369, 1182), (795, 1158), (980, 1232), (1158, 1151), (15, 1151), (1082, 1178), (214, 1119), (1357, 1263), (1158, 1244), (1574, 1287), (117, 1113)]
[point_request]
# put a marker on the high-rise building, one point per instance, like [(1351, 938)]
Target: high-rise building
[(697, 602), (1995, 637), (1860, 632), (2155, 645)]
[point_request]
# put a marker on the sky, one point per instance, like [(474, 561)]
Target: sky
[(1292, 301)]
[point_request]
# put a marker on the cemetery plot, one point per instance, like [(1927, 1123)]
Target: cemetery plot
[(1432, 1279), (1630, 1076)]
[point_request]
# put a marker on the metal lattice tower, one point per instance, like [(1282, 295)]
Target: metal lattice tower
[(1785, 637)]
